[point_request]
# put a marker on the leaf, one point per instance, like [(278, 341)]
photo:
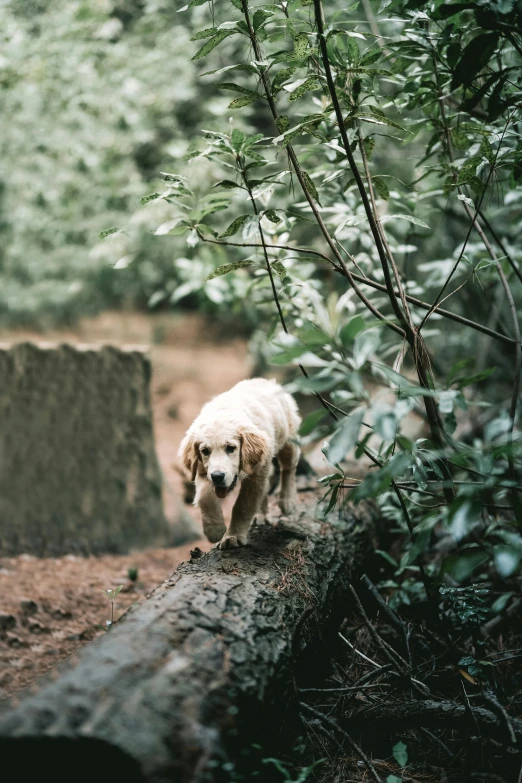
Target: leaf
[(409, 218), (333, 500), (289, 354), (312, 83), (487, 150), (281, 77), (517, 163), (470, 103), (228, 184), (282, 123), (272, 215), (466, 200), (260, 18), (467, 172), (350, 330), (279, 268), (501, 602), (123, 262), (369, 144), (400, 754), (385, 423), (378, 481), (460, 567), (108, 232), (156, 298), (226, 268), (204, 34), (245, 100), (237, 88), (150, 197), (212, 43), (349, 33), (507, 560), (344, 438), (311, 421), (167, 227), (373, 115), (462, 517), (419, 473), (235, 226), (381, 188), (474, 57), (370, 57), (468, 677), (300, 45), (365, 344)]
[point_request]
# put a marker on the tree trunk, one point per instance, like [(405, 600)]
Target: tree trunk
[(181, 688)]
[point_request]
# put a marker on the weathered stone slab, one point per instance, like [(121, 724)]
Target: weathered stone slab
[(78, 470)]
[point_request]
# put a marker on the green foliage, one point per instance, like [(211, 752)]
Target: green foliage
[(400, 754), (94, 102), (418, 128)]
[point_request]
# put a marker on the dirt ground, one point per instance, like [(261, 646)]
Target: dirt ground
[(49, 607)]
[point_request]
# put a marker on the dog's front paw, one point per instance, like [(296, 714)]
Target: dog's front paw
[(231, 542), (288, 506), (213, 530)]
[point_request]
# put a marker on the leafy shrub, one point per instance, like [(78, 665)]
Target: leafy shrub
[(387, 184)]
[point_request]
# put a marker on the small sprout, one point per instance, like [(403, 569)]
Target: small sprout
[(132, 574), (111, 595)]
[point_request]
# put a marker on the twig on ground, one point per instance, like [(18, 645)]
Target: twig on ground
[(331, 723), (500, 711), (435, 714)]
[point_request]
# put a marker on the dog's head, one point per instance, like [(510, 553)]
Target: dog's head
[(223, 452)]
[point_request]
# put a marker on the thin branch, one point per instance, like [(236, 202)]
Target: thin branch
[(412, 335), (372, 284), (299, 174), (476, 212), (329, 722), (319, 19), (501, 245), (475, 223), (350, 689)]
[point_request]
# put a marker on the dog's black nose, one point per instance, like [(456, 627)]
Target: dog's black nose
[(218, 478)]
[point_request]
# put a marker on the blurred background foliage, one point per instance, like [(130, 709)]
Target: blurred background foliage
[(96, 98)]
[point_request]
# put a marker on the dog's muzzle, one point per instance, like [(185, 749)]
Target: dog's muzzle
[(222, 491)]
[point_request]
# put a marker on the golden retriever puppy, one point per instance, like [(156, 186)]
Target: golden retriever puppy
[(234, 439)]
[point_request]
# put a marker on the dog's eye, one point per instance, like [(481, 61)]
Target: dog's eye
[(230, 449), (205, 452)]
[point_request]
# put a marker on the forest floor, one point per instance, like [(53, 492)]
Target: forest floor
[(51, 606)]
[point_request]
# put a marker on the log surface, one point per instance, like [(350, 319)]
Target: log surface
[(207, 661)]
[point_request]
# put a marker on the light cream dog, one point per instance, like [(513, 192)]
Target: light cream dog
[(235, 438)]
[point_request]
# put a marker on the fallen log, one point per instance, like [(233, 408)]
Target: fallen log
[(203, 668)]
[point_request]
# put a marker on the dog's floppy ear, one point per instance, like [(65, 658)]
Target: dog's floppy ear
[(254, 449), (189, 454)]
